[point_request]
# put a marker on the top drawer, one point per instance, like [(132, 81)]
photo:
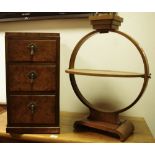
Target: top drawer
[(35, 48)]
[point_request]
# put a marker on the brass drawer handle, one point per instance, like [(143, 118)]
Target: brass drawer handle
[(32, 47), (32, 76), (32, 107)]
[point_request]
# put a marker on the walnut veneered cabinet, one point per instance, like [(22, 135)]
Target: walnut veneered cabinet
[(32, 82)]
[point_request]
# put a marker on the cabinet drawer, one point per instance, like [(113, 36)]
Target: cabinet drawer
[(32, 109), (31, 77), (31, 50)]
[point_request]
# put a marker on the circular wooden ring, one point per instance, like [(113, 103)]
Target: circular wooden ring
[(73, 81)]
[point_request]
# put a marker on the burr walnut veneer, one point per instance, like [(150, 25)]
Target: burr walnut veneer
[(32, 76)]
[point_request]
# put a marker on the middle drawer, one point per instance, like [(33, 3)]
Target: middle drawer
[(26, 77)]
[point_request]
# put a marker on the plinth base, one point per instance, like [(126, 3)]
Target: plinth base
[(122, 130), (33, 130)]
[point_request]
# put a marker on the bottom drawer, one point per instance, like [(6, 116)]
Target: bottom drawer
[(32, 110)]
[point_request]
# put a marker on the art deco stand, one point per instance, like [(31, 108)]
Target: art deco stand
[(99, 118)]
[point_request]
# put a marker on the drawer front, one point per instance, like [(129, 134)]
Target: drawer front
[(31, 77), (31, 50), (32, 109)]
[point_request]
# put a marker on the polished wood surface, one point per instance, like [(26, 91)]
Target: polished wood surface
[(32, 82), (105, 17), (141, 133), (100, 115), (105, 22), (18, 50), (22, 114), (146, 74), (2, 107), (121, 131), (20, 80), (103, 73)]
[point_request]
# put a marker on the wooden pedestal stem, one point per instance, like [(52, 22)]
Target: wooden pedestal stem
[(98, 119)]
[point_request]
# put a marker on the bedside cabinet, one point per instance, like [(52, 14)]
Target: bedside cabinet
[(32, 82)]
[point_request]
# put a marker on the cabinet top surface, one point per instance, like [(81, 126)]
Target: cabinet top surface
[(141, 133), (29, 34)]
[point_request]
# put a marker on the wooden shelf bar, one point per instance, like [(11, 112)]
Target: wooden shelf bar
[(104, 73)]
